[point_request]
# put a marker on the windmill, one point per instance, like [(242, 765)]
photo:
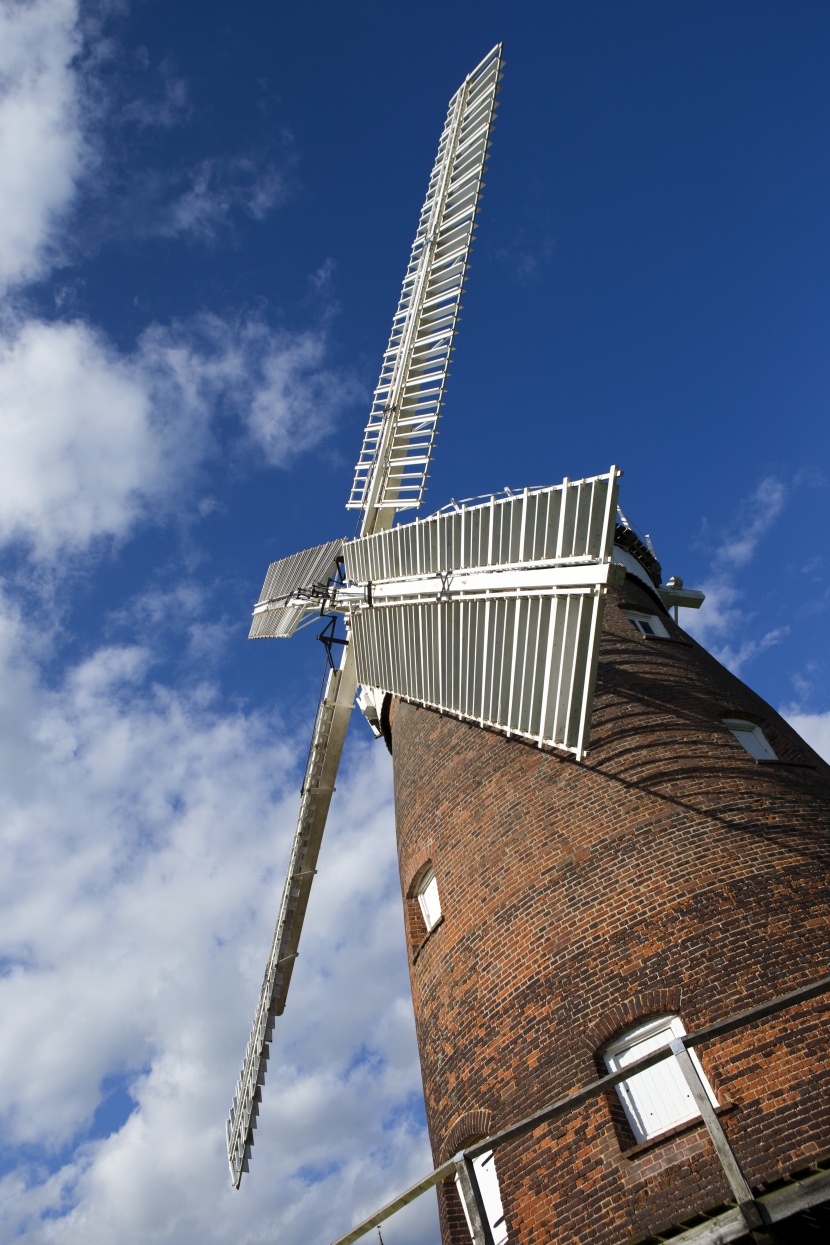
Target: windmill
[(489, 611), (604, 896)]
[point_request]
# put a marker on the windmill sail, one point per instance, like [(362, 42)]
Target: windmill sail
[(402, 423), (493, 613), (291, 592), (318, 787)]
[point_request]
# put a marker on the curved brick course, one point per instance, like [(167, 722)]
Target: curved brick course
[(669, 872)]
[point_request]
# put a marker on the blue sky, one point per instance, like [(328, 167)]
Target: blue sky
[(205, 215)]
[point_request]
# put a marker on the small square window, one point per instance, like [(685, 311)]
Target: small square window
[(429, 899), (752, 738), (647, 624)]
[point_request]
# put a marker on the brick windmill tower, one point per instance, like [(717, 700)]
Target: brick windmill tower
[(613, 854)]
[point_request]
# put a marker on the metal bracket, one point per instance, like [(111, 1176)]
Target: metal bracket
[(445, 577)]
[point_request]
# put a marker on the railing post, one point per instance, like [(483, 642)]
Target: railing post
[(747, 1205), (474, 1203)]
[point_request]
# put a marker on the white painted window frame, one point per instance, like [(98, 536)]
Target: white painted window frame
[(657, 1099), (429, 899), (751, 737), (484, 1166), (647, 624)]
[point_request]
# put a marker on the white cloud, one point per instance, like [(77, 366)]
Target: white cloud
[(217, 186), (298, 399), (60, 121), (722, 621), (814, 727), (733, 656), (759, 512), (165, 103), (94, 441), (41, 142), (144, 831), (81, 448)]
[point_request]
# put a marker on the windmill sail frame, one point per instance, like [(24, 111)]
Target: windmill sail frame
[(324, 755), (292, 590), (394, 460), (390, 474)]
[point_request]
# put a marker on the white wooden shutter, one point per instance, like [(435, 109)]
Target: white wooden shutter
[(659, 1098), (752, 738)]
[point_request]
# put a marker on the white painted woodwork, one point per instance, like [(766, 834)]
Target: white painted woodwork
[(429, 899), (659, 1098), (492, 613), (318, 787), (287, 597), (752, 738), (572, 522), (647, 624), (484, 1166)]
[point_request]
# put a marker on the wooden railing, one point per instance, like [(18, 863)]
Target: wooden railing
[(753, 1215)]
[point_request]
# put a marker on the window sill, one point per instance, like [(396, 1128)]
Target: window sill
[(667, 639), (643, 1147), (788, 764), (425, 940)]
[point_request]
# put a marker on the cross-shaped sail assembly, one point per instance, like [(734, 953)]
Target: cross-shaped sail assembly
[(491, 613), (390, 474)]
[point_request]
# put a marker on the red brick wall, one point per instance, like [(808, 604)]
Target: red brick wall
[(667, 872)]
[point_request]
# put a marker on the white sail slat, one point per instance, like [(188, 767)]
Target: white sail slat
[(492, 612), (481, 661)]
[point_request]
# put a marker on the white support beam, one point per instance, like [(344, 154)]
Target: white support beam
[(472, 585)]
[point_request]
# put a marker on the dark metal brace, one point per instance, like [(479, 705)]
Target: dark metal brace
[(328, 638)]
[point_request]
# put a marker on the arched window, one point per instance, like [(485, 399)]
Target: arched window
[(488, 1182), (752, 738), (659, 1098)]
